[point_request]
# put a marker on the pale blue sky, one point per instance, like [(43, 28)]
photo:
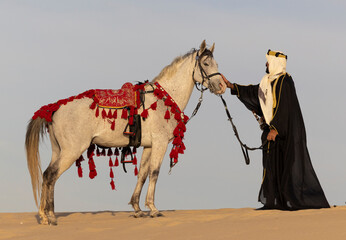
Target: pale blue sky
[(53, 50)]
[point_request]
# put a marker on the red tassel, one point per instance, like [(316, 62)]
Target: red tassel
[(80, 172), (116, 163), (186, 119), (110, 162), (134, 160), (109, 153), (131, 120), (112, 185), (115, 113), (124, 113), (91, 164), (153, 106), (80, 159), (134, 150), (158, 93), (177, 116), (113, 125), (136, 171), (175, 160), (176, 132), (180, 150), (93, 106), (174, 108), (90, 151), (173, 153), (116, 152), (182, 146), (98, 152), (168, 102), (182, 126), (145, 113), (110, 115), (132, 111), (167, 115), (104, 114), (97, 112), (111, 174), (177, 141), (103, 153), (92, 174)]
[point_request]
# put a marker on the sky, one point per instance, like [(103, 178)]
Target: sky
[(50, 50)]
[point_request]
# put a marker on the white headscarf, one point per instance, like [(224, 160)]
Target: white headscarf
[(277, 66)]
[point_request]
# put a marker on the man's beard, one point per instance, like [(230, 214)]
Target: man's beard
[(267, 70)]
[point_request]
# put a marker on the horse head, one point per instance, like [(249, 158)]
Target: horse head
[(206, 70)]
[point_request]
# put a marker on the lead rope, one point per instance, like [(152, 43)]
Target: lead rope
[(243, 146)]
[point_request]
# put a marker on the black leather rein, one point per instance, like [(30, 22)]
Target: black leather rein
[(244, 147)]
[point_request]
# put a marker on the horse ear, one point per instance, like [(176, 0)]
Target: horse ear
[(202, 47), (212, 48)]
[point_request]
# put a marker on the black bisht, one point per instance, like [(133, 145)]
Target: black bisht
[(289, 180)]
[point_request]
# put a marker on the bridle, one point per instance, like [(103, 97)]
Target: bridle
[(205, 78)]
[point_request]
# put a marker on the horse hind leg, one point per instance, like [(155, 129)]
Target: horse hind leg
[(50, 176), (62, 159), (46, 211), (142, 176)]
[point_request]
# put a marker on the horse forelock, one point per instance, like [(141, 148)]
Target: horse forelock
[(170, 69)]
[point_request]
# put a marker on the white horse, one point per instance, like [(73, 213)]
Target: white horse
[(74, 127)]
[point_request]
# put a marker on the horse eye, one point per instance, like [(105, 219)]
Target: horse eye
[(206, 64)]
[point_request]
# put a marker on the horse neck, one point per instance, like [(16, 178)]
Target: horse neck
[(180, 84)]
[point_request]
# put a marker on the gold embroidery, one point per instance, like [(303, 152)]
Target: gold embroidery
[(238, 95), (278, 102), (264, 175)]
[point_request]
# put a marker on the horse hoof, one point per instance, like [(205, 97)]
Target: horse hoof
[(156, 214), (44, 221), (53, 222), (139, 214)]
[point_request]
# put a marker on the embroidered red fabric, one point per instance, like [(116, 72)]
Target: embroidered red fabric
[(124, 97)]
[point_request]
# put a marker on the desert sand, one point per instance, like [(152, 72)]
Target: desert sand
[(244, 223)]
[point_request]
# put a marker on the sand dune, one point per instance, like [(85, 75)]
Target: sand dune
[(245, 223)]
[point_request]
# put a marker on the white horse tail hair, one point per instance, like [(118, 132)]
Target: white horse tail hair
[(35, 130)]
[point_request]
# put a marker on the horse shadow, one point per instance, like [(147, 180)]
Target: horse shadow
[(113, 213)]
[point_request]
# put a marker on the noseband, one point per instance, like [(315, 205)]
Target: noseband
[(205, 76)]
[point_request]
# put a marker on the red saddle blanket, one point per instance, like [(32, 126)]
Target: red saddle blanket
[(127, 96), (124, 97)]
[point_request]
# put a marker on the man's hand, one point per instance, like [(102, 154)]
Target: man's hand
[(228, 84), (272, 135)]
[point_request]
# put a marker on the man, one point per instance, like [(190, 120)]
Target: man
[(289, 180)]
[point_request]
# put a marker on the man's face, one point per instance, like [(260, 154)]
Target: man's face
[(267, 67)]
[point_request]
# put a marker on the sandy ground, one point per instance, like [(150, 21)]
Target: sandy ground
[(245, 223)]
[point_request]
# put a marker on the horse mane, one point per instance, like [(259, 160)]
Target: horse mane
[(170, 69)]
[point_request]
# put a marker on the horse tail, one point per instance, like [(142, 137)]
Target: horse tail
[(35, 130)]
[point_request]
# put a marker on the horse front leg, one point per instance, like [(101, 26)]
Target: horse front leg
[(158, 152), (142, 176)]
